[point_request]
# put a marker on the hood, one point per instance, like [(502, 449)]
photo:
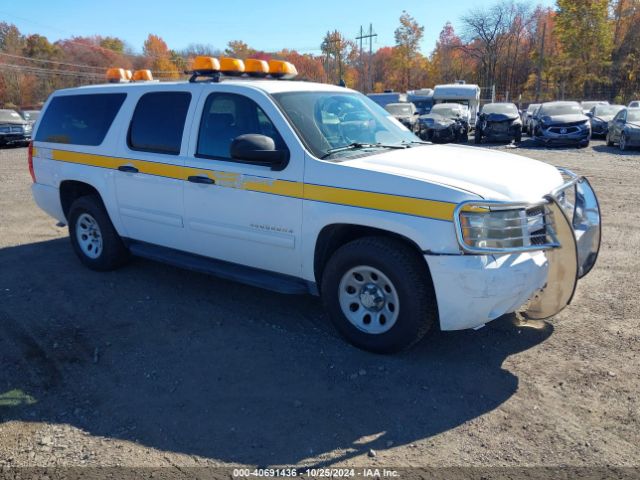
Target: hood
[(490, 174), (499, 117), (14, 122), (604, 118), (563, 119), (436, 117)]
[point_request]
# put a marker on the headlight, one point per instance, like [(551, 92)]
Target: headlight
[(28, 128), (504, 229)]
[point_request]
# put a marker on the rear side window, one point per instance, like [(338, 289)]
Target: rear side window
[(79, 119), (158, 122)]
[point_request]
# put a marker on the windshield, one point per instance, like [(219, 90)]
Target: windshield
[(590, 105), (500, 108), (10, 116), (398, 109), (607, 109), (31, 114), (329, 120), (446, 110), (560, 109), (633, 115), (532, 107)]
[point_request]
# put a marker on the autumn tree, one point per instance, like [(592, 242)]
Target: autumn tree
[(340, 54), (407, 50), (159, 57)]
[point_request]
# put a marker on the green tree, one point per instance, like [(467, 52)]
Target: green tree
[(585, 35), (113, 44)]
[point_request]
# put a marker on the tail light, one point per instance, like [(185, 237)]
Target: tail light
[(30, 156)]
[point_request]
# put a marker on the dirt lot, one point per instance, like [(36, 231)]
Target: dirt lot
[(155, 366)]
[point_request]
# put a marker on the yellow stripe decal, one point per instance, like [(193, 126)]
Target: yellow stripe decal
[(380, 201), (342, 196)]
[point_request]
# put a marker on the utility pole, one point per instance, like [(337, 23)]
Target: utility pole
[(368, 78), (540, 62)]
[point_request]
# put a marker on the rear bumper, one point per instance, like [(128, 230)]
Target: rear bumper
[(48, 199), (474, 289)]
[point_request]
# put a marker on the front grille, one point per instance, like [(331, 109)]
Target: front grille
[(567, 130), (538, 217), (17, 129)]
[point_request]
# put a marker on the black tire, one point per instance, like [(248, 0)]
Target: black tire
[(408, 272), (113, 253), (518, 138), (477, 137), (622, 145)]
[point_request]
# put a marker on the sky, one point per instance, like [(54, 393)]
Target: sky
[(268, 25)]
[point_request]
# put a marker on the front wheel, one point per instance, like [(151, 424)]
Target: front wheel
[(93, 237), (379, 295), (477, 137), (623, 143)]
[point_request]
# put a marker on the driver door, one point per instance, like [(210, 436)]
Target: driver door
[(244, 213)]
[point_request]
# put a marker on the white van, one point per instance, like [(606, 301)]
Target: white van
[(465, 94)]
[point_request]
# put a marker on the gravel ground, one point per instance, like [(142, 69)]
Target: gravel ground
[(155, 366)]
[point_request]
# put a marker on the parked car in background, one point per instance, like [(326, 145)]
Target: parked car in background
[(588, 105), (634, 104), (600, 116), (383, 99), (527, 116), (405, 113), (422, 99), (561, 123), (624, 129), (14, 130), (30, 115), (446, 122), (498, 122)]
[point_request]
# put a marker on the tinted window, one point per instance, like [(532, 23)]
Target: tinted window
[(158, 122), (226, 116), (79, 119)]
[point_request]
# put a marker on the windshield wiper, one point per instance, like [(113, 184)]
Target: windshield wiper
[(359, 146), (416, 142)]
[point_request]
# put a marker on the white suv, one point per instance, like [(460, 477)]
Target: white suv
[(301, 187)]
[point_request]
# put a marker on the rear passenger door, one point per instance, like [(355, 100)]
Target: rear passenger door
[(153, 148), (251, 215)]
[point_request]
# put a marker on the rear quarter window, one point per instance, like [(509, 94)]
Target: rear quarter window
[(79, 119)]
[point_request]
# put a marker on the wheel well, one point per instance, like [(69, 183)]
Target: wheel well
[(334, 236), (71, 190)]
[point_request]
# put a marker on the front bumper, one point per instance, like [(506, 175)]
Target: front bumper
[(9, 139), (472, 290), (550, 138), (483, 284)]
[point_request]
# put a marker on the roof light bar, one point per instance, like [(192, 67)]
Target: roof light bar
[(215, 69)]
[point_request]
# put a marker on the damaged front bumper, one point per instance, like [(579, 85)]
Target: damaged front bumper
[(484, 283)]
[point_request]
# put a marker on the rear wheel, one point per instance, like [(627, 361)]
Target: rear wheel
[(477, 137), (93, 237), (379, 295)]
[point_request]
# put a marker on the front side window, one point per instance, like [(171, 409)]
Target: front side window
[(158, 122), (328, 121), (79, 119), (228, 115)]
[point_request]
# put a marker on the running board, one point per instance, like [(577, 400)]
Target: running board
[(276, 282)]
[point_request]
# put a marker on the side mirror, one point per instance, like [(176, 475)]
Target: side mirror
[(260, 150)]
